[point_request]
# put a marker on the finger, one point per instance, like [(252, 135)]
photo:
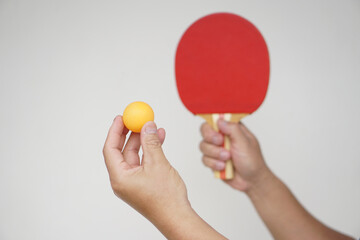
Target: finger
[(117, 134), (210, 135), (114, 144), (161, 134), (236, 135), (131, 150), (151, 143), (214, 164), (214, 151)]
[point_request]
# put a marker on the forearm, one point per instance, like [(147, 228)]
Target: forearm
[(283, 214), (185, 224)]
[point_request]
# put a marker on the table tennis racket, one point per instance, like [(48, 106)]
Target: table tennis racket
[(222, 71)]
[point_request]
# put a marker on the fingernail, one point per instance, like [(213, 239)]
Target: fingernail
[(216, 140), (151, 128), (224, 155), (219, 165)]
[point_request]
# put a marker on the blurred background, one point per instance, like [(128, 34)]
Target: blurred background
[(67, 68)]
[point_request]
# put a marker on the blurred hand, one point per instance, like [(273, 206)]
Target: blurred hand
[(152, 187), (244, 152)]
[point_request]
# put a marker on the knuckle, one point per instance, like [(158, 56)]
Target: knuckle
[(221, 155), (153, 143), (208, 137), (208, 162), (201, 146), (212, 164), (204, 160), (104, 150), (202, 127), (214, 151), (206, 132), (209, 150), (117, 187)]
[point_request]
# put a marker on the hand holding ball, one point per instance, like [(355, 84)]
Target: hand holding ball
[(136, 114)]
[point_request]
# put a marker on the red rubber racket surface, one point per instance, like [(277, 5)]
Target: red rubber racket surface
[(222, 65)]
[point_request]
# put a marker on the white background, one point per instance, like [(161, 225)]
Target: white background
[(68, 67)]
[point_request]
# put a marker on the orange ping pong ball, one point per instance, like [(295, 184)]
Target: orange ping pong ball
[(136, 114)]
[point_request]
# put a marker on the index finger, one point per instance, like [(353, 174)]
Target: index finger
[(210, 135), (114, 144)]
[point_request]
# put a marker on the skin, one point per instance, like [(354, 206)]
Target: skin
[(155, 189), (281, 212), (152, 186)]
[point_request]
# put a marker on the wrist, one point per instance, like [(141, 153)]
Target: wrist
[(173, 222), (169, 214), (261, 184), (184, 223)]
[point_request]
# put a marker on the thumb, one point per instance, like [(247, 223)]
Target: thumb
[(233, 131), (150, 142)]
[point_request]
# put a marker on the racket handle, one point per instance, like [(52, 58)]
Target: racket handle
[(228, 172)]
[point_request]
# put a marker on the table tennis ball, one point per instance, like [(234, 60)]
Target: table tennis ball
[(136, 114)]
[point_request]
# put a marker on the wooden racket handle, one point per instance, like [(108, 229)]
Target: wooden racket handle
[(228, 172)]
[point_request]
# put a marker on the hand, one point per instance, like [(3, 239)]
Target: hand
[(281, 212), (244, 152), (152, 187)]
